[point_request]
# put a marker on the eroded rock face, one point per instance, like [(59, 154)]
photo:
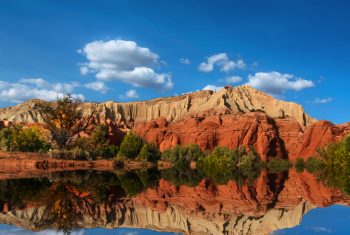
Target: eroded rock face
[(271, 137), (240, 99)]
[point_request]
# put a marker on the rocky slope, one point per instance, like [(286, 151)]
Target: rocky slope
[(271, 137), (240, 99)]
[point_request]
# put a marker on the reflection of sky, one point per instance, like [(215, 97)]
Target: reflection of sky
[(12, 230), (331, 220)]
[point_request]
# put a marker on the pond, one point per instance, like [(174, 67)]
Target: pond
[(171, 201)]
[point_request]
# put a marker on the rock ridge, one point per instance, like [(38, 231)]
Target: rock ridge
[(240, 99)]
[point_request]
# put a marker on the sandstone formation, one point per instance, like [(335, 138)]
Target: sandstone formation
[(271, 137), (240, 99)]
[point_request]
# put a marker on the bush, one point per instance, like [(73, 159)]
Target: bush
[(299, 164), (182, 155), (279, 165), (149, 153), (250, 165), (21, 139), (313, 165), (223, 164), (131, 146)]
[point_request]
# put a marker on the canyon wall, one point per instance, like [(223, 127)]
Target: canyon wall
[(270, 137)]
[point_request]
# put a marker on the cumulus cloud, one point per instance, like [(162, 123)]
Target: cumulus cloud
[(97, 86), (222, 61), (231, 79), (30, 88), (130, 94), (126, 62), (323, 101), (276, 83), (185, 61), (212, 87)]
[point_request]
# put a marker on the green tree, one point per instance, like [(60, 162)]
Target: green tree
[(149, 153), (279, 165), (23, 139), (131, 146), (299, 164), (65, 119)]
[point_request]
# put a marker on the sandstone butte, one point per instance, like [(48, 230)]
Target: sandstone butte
[(230, 117), (272, 202)]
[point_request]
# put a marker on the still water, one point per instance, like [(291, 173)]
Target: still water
[(171, 201)]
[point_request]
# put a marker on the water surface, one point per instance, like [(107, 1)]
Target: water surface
[(171, 201)]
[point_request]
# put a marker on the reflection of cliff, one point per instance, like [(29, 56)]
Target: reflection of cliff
[(271, 202), (129, 214)]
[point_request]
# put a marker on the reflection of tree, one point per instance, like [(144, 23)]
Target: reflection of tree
[(65, 207)]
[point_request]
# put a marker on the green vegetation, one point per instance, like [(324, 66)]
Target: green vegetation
[(131, 146), (334, 170), (24, 139), (278, 165), (95, 146), (299, 164), (149, 153), (313, 165), (182, 155), (223, 164), (64, 119)]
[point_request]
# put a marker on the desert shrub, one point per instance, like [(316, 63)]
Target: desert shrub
[(131, 146), (313, 165), (279, 165), (299, 164), (335, 167), (149, 153), (100, 135), (182, 155), (97, 144), (250, 165), (18, 138)]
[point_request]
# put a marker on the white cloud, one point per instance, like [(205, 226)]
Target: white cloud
[(322, 230), (222, 61), (212, 87), (130, 94), (185, 61), (124, 61), (231, 79), (97, 86), (276, 83), (30, 88), (323, 101)]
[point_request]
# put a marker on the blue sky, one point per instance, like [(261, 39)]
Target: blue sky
[(135, 50)]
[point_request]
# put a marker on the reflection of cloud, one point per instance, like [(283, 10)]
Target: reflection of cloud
[(322, 230), (21, 231), (131, 233)]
